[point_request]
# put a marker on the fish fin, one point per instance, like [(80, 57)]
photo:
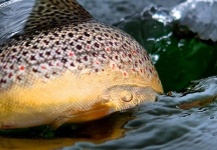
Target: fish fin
[(98, 110), (58, 122), (53, 13)]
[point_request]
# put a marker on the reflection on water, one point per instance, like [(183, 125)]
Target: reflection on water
[(177, 121), (43, 138)]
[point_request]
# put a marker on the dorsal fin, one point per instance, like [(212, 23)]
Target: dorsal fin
[(52, 13)]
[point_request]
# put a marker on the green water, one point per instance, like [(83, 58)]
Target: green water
[(179, 59)]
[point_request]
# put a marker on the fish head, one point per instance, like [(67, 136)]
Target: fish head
[(124, 97)]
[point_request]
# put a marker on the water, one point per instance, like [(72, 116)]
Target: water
[(190, 14), (186, 120)]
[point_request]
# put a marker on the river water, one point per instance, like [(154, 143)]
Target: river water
[(181, 121)]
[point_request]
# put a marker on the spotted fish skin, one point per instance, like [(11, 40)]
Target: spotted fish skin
[(76, 72), (53, 13), (79, 48)]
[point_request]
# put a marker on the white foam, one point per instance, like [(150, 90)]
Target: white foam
[(199, 16)]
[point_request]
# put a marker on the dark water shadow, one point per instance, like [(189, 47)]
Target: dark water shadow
[(43, 138)]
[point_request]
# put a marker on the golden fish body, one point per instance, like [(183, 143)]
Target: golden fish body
[(76, 72)]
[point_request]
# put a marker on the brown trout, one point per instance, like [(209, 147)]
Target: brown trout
[(70, 68)]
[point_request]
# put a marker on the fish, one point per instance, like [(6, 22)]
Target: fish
[(67, 67)]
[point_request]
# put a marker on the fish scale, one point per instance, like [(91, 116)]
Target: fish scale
[(70, 72), (73, 53)]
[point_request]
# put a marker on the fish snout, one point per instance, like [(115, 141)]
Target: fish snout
[(126, 96)]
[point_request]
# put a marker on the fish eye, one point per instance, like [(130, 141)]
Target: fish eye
[(126, 96)]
